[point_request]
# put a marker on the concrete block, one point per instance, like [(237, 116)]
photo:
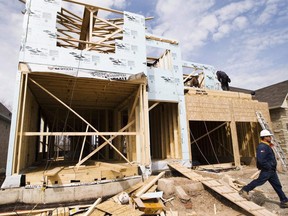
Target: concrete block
[(190, 188), (10, 196), (182, 195)]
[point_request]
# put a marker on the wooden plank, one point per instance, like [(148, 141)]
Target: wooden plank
[(111, 207), (149, 185), (53, 172), (92, 207), (98, 212), (226, 192), (114, 167)]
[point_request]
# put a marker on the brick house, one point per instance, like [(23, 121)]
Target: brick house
[(5, 121)]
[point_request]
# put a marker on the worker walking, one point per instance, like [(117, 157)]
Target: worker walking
[(266, 163), (224, 79)]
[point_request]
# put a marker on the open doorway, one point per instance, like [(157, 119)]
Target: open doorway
[(164, 131), (211, 142)]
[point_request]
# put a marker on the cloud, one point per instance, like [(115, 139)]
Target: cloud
[(10, 45), (233, 10), (186, 21), (108, 3), (240, 22), (221, 32), (268, 13)]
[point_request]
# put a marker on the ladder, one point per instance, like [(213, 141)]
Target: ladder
[(276, 146)]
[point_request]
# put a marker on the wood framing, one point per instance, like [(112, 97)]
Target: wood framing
[(89, 91), (236, 111)]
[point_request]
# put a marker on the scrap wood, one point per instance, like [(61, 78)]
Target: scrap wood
[(153, 188), (151, 182), (117, 209), (91, 209), (151, 206), (62, 211)]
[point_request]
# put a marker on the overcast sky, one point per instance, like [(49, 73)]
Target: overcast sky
[(248, 39)]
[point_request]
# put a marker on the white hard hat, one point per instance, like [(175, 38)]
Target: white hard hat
[(265, 132)]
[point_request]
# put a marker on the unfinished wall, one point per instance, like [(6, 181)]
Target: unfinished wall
[(236, 129)]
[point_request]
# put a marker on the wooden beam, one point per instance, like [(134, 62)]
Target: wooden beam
[(104, 39), (209, 132), (25, 76), (86, 27), (102, 145), (89, 5), (154, 105), (83, 143), (91, 208), (149, 185), (79, 133), (40, 86)]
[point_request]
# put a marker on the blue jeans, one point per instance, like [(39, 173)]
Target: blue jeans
[(272, 178)]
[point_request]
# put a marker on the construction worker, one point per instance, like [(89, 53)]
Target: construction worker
[(194, 81), (266, 163), (224, 79)]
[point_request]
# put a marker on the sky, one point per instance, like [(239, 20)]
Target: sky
[(248, 39)]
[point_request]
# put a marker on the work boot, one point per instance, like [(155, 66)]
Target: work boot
[(284, 204), (244, 194)]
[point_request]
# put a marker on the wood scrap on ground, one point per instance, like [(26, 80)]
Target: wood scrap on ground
[(224, 190)]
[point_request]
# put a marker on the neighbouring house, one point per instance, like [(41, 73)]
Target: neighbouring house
[(5, 121), (276, 96)]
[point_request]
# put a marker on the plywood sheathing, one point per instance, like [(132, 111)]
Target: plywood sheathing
[(223, 106), (231, 107)]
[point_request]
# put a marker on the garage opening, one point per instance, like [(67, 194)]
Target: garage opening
[(65, 118), (211, 142)]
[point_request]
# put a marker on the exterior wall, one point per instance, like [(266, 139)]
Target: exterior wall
[(236, 108), (223, 106), (5, 121), (279, 118)]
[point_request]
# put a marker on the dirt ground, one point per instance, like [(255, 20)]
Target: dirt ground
[(207, 202)]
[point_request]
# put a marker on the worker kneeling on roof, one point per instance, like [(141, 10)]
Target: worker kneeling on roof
[(224, 79)]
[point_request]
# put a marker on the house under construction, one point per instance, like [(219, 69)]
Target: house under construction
[(98, 97)]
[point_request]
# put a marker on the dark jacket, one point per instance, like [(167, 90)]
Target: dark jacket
[(222, 77), (266, 160)]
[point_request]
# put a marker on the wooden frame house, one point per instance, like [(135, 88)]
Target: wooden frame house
[(92, 90)]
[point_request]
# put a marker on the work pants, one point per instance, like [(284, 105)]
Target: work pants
[(272, 178)]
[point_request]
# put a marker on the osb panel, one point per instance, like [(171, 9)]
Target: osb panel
[(223, 106)]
